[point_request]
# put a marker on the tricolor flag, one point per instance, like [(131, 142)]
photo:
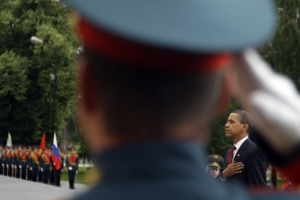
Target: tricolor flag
[(55, 154), (42, 144), (9, 142)]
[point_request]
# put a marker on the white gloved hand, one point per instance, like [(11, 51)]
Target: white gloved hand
[(70, 168), (41, 169), (271, 98)]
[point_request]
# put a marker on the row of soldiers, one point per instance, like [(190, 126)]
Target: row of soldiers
[(30, 163)]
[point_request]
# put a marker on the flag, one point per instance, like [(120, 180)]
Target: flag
[(55, 154), (9, 142), (43, 144)]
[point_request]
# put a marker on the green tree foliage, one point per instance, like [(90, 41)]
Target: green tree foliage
[(283, 51), (26, 90)]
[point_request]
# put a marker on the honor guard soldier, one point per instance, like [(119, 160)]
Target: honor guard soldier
[(215, 162), (18, 161), (4, 161), (9, 161), (57, 171), (23, 163), (154, 75), (52, 168), (29, 168), (45, 166), (34, 164), (72, 166), (1, 159)]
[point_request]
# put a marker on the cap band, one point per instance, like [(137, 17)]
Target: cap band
[(146, 56)]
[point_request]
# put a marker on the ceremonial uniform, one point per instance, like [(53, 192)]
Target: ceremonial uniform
[(45, 167), (34, 165), (1, 159), (52, 175), (4, 160), (72, 166), (143, 61), (29, 168), (23, 164), (57, 170), (9, 163), (18, 163)]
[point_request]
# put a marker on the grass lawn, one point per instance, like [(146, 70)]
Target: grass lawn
[(82, 176)]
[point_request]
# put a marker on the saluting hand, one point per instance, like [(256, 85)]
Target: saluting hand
[(232, 169)]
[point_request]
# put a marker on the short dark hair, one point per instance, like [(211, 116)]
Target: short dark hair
[(245, 118), (147, 103)]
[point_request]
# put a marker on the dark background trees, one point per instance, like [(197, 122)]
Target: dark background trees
[(282, 52)]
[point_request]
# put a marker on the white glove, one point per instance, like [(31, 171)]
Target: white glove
[(30, 168), (2, 165), (20, 166), (70, 168), (271, 98), (41, 169)]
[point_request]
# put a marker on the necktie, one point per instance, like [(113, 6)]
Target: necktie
[(230, 156)]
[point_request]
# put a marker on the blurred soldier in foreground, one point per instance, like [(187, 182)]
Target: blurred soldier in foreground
[(155, 74), (215, 162)]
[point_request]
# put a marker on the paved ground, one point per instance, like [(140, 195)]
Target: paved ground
[(16, 189)]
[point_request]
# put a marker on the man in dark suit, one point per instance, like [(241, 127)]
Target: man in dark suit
[(244, 162)]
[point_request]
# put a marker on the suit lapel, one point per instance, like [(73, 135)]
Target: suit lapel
[(225, 163), (241, 151)]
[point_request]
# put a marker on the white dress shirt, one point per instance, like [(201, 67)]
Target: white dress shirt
[(238, 145)]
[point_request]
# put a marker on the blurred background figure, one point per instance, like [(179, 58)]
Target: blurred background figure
[(215, 162)]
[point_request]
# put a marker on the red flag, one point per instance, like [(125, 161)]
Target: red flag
[(43, 144)]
